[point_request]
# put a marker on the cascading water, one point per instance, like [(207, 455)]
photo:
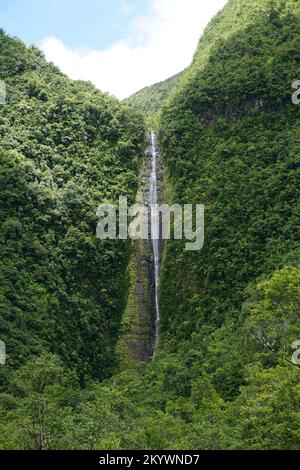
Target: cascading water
[(155, 231), (140, 340)]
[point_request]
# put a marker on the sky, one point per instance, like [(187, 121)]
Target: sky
[(119, 45)]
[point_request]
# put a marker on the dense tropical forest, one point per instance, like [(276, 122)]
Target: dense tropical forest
[(223, 376), (65, 148), (150, 100)]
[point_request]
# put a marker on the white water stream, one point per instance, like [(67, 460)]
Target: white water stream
[(155, 230)]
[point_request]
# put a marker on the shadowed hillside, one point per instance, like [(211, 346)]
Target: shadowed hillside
[(65, 148)]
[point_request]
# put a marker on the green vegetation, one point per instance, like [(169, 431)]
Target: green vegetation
[(223, 376), (150, 99), (65, 148), (174, 404), (229, 139)]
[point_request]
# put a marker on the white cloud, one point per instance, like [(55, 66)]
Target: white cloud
[(159, 46)]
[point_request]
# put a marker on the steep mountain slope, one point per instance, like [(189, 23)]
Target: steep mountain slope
[(65, 148), (230, 142), (149, 100)]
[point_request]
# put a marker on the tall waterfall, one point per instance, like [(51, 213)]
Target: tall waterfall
[(155, 232)]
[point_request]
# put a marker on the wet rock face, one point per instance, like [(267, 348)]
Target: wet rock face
[(140, 330), (142, 340)]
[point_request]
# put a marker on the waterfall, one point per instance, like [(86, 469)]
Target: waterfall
[(155, 229), (140, 340)]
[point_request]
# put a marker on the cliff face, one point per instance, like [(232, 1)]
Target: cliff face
[(136, 344), (138, 340)]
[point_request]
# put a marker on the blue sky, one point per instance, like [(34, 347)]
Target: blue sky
[(119, 45), (86, 24)]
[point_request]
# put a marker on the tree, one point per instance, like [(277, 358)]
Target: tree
[(43, 394)]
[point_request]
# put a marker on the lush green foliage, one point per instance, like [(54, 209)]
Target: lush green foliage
[(65, 148), (150, 99), (230, 142), (229, 139), (179, 402)]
